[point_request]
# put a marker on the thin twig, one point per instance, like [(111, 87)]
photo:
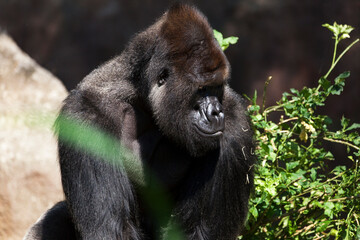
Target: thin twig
[(342, 142), (264, 93), (288, 120), (339, 57)]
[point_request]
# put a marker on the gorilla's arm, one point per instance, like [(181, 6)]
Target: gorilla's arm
[(98, 191), (97, 209), (55, 224)]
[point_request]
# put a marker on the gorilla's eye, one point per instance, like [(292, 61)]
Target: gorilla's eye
[(163, 77), (202, 90)]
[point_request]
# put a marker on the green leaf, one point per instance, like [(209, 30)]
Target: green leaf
[(285, 221), (329, 205), (357, 232), (224, 42), (294, 91), (289, 105), (291, 165), (332, 28), (339, 169), (258, 117), (254, 98), (313, 174), (329, 156), (344, 122), (231, 40), (353, 126), (327, 120), (343, 75), (340, 31), (345, 35), (322, 226), (334, 232), (325, 84), (338, 87), (253, 210)]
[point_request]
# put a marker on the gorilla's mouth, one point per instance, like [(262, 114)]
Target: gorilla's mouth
[(207, 132), (209, 117)]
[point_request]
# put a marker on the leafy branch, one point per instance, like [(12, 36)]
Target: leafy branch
[(296, 195), (224, 42), (340, 32)]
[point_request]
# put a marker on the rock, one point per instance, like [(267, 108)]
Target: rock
[(30, 97)]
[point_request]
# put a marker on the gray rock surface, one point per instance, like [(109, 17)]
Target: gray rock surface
[(30, 97)]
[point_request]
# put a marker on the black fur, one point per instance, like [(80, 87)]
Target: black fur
[(166, 99), (55, 224)]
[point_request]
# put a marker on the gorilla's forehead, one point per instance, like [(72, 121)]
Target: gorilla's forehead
[(186, 30), (191, 45), (184, 23)]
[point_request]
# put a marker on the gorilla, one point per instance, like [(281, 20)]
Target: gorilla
[(166, 100)]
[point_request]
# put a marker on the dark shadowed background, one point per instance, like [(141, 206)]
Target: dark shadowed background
[(283, 39)]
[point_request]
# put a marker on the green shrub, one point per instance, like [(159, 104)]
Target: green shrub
[(296, 196)]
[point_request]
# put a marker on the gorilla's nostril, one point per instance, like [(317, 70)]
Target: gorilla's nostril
[(215, 113)]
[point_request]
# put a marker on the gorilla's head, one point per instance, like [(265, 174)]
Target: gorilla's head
[(188, 74)]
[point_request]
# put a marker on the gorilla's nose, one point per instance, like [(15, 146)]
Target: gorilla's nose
[(214, 112), (209, 117)]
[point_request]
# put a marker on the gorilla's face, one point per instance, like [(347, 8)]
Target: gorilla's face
[(188, 73), (186, 96), (190, 114)]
